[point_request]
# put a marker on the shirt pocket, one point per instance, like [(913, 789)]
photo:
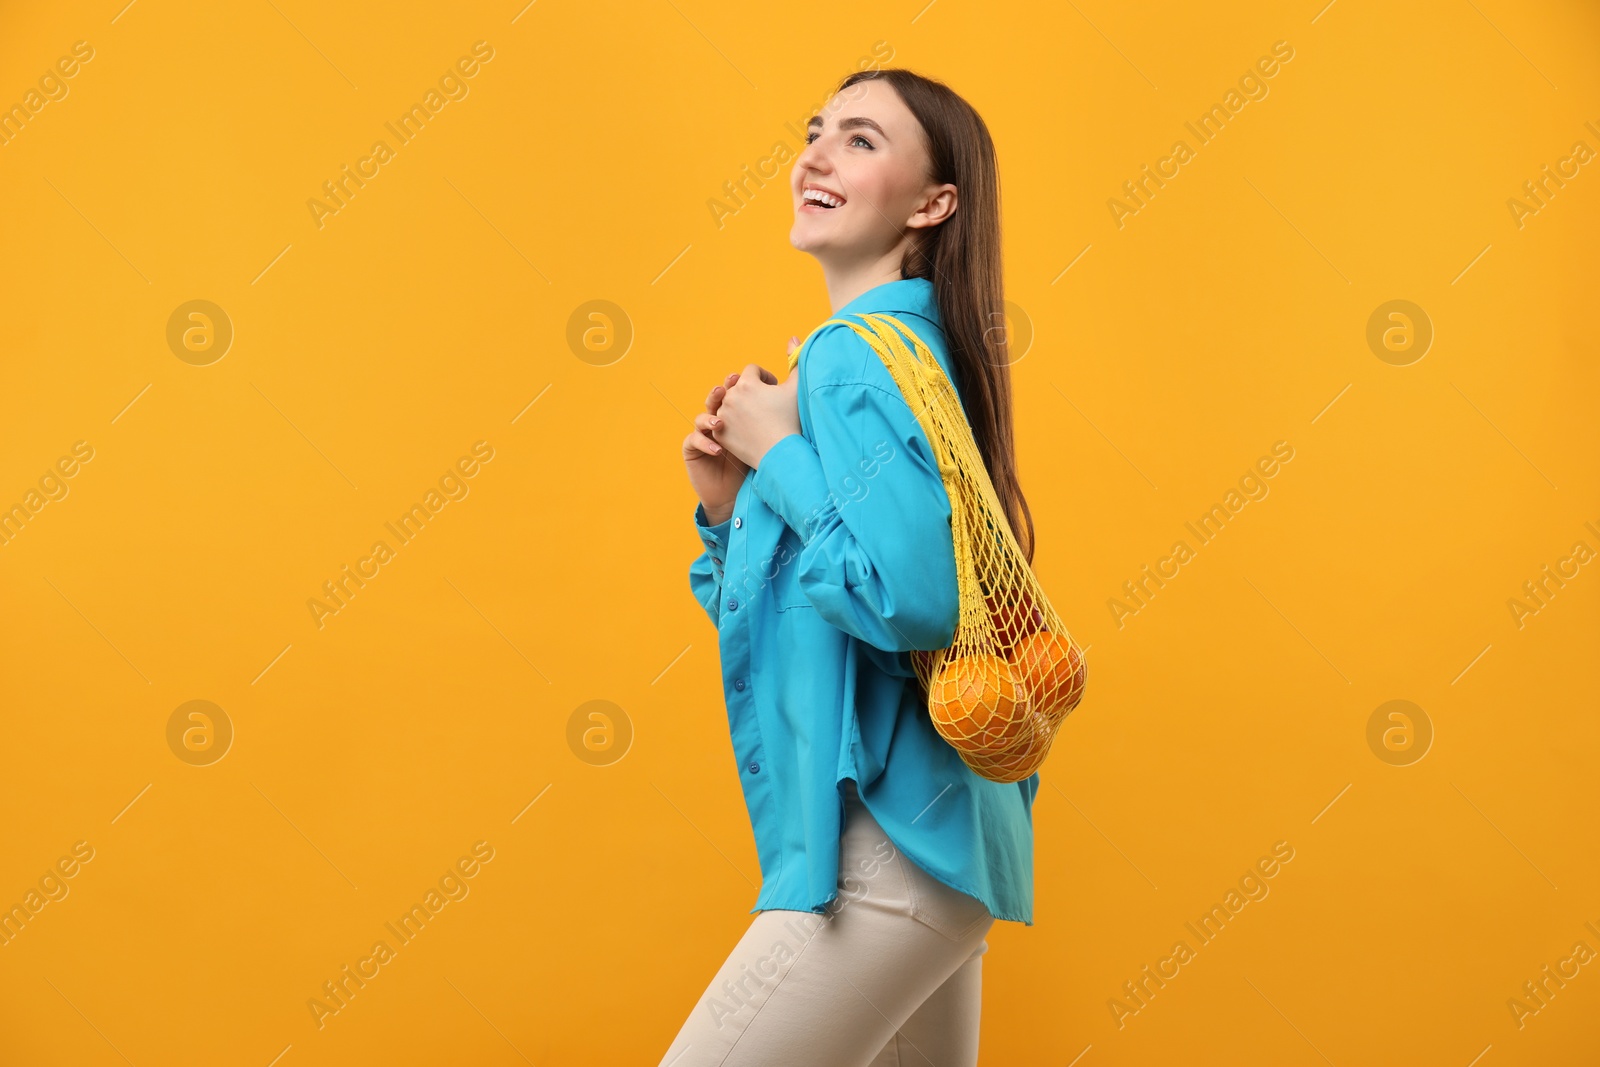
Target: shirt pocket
[(794, 600), (784, 571)]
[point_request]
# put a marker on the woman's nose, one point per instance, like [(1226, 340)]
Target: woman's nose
[(813, 157)]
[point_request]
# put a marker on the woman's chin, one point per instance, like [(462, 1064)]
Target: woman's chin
[(805, 241)]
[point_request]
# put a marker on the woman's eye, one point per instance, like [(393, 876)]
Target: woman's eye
[(813, 135)]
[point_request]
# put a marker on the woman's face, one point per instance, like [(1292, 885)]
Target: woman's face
[(867, 150)]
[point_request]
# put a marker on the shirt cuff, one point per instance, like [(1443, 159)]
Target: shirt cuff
[(715, 537), (791, 481)]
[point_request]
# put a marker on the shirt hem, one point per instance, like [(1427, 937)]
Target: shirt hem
[(817, 908)]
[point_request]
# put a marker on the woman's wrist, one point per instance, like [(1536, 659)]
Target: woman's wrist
[(768, 444), (717, 516)]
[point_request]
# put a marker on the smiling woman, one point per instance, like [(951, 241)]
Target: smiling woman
[(821, 586)]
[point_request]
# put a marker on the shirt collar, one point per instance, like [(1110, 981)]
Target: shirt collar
[(913, 296)]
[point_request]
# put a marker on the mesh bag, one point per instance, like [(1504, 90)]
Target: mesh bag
[(1012, 672)]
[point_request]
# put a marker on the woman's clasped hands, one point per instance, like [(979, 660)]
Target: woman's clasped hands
[(745, 416)]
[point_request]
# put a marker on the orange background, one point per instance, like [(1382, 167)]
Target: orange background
[(431, 712)]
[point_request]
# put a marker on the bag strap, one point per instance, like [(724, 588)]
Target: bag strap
[(921, 380), (909, 338)]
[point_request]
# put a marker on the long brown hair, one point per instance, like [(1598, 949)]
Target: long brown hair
[(961, 256)]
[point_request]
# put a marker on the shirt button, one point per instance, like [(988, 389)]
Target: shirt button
[(733, 605), (755, 767), (737, 522), (714, 559), (739, 684)]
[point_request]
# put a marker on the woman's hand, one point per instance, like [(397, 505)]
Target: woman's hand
[(714, 472), (756, 412)]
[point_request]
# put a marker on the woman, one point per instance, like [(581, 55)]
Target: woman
[(828, 559)]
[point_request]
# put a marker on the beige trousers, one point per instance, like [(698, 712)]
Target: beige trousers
[(889, 976)]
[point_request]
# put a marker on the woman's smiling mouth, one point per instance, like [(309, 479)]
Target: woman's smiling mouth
[(815, 198)]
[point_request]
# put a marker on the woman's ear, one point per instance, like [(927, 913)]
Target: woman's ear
[(939, 205)]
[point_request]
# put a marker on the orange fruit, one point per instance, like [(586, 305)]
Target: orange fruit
[(1011, 766), (1028, 751), (1051, 667), (976, 704), (1013, 620)]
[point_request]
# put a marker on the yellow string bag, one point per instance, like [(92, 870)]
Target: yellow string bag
[(1012, 672)]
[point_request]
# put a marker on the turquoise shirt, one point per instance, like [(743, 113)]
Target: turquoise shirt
[(834, 565)]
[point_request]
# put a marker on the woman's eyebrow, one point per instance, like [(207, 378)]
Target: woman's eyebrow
[(851, 123)]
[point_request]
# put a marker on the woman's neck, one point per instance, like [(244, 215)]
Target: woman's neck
[(847, 281)]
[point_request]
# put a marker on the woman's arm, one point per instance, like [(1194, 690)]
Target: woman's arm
[(867, 502)]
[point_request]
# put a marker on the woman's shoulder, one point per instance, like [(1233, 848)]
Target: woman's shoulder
[(836, 354)]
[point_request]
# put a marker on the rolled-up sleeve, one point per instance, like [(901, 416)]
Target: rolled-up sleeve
[(705, 573), (865, 498)]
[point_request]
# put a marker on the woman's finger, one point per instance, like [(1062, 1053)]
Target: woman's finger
[(700, 441)]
